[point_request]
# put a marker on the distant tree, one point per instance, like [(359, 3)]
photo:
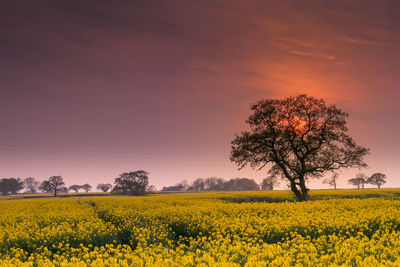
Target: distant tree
[(150, 189), (301, 137), (31, 185), (269, 183), (11, 185), (332, 180), (75, 187), (173, 188), (198, 184), (377, 179), (54, 184), (181, 186), (45, 187), (359, 180), (87, 187), (184, 184), (104, 187), (63, 189), (132, 183), (241, 184), (214, 184)]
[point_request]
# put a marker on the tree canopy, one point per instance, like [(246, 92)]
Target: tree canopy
[(377, 179), (10, 185), (300, 137), (132, 183), (104, 187), (53, 184)]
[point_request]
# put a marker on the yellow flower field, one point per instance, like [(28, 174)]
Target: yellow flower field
[(336, 228)]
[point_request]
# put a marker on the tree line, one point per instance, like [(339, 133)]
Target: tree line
[(128, 183), (220, 184)]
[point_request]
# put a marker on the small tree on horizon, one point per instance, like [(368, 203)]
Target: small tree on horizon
[(132, 183), (104, 187), (269, 183), (55, 183), (87, 187), (332, 180), (45, 187), (359, 180), (377, 179), (31, 185), (75, 187), (10, 185), (300, 137)]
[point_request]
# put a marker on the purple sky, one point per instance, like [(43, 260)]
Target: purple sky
[(91, 89)]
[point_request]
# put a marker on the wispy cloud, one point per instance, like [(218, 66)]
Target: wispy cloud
[(310, 54), (362, 41)]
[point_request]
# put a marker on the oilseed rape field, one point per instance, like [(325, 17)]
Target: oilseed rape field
[(335, 228)]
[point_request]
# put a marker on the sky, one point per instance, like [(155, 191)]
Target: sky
[(91, 89)]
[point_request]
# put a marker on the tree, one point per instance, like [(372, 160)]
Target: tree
[(104, 187), (45, 187), (10, 185), (31, 185), (269, 183), (300, 137), (132, 183), (198, 184), (241, 184), (213, 184), (377, 179), (63, 189), (75, 187), (87, 187), (54, 184), (359, 180), (177, 187), (332, 180)]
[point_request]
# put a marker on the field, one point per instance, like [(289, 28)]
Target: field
[(338, 227)]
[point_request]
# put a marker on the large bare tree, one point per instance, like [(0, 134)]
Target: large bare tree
[(300, 137)]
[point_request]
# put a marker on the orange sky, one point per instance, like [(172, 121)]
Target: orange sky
[(90, 90)]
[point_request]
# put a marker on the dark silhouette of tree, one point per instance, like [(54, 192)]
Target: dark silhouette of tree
[(52, 185), (301, 137), (332, 180), (75, 187), (173, 188), (31, 185), (132, 183), (241, 184), (359, 180), (104, 187), (269, 183), (377, 179), (11, 185), (182, 186), (87, 187), (45, 187)]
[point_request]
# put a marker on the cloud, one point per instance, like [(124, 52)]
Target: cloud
[(310, 54), (361, 41)]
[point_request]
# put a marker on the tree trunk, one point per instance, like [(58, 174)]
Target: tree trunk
[(55, 192), (379, 186), (304, 190), (295, 191), (302, 194)]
